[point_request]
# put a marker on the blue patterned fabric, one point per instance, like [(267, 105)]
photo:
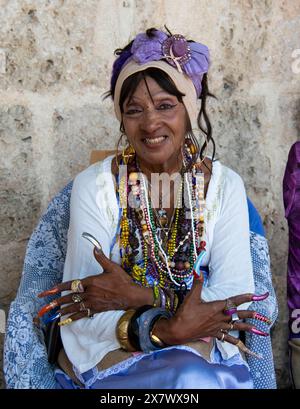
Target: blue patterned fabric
[(25, 358), (262, 370)]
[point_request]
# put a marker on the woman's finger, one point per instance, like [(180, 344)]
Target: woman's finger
[(196, 290), (104, 261), (242, 326), (75, 317), (243, 298), (243, 314), (238, 343), (67, 299), (72, 285)]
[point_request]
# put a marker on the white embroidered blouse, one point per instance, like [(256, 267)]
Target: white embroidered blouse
[(94, 209)]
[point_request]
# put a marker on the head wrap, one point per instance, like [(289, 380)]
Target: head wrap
[(185, 63)]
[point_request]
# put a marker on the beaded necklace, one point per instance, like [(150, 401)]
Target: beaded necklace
[(161, 265)]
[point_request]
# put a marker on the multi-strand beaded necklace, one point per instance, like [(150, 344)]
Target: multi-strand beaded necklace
[(163, 265)]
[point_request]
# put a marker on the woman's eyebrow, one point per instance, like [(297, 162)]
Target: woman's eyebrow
[(156, 96)]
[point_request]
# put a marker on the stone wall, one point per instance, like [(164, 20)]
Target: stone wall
[(55, 59)]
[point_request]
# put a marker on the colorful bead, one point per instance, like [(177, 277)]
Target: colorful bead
[(175, 258)]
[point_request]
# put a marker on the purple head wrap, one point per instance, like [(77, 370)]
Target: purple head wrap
[(190, 58)]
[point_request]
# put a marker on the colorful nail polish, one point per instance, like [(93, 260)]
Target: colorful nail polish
[(260, 297), (47, 308), (52, 291), (260, 317), (65, 322), (259, 332), (52, 318)]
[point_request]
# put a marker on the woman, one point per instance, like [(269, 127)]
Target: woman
[(162, 316)]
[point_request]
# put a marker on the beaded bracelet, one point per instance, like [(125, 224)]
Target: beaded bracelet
[(146, 322), (156, 296), (162, 298), (175, 303)]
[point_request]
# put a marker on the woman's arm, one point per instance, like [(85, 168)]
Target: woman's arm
[(230, 266), (86, 341)]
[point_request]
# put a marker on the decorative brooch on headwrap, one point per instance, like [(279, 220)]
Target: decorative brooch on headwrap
[(190, 58)]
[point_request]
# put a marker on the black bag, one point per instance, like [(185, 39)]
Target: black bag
[(53, 341)]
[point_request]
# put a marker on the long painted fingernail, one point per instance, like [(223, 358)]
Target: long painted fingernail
[(197, 276), (259, 332), (65, 322), (52, 318), (94, 241), (260, 317), (47, 308), (52, 291), (260, 297), (248, 351)]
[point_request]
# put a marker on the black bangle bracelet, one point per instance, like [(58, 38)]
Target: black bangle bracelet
[(133, 328), (146, 323)]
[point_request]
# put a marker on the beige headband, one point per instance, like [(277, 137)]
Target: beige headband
[(183, 83)]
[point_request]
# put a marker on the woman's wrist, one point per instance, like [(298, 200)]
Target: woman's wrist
[(165, 330), (140, 296)]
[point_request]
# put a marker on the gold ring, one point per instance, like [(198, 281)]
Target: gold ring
[(76, 286), (65, 322), (76, 298)]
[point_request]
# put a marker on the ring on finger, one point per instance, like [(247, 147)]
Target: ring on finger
[(234, 318), (82, 306), (222, 337), (224, 331), (89, 314), (230, 307), (76, 286), (76, 298), (231, 326)]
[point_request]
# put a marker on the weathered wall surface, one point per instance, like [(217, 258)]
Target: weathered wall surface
[(55, 59)]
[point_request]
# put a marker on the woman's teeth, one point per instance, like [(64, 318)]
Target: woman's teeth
[(155, 140)]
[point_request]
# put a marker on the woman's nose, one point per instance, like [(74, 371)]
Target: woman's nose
[(151, 120)]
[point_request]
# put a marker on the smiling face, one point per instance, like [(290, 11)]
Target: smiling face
[(155, 123)]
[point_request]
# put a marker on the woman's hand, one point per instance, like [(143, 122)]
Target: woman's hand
[(111, 290), (196, 319)]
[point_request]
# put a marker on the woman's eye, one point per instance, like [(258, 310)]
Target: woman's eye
[(163, 107), (132, 111)]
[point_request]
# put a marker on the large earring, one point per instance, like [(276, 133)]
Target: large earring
[(118, 151), (194, 132), (190, 147), (189, 151), (128, 153)]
